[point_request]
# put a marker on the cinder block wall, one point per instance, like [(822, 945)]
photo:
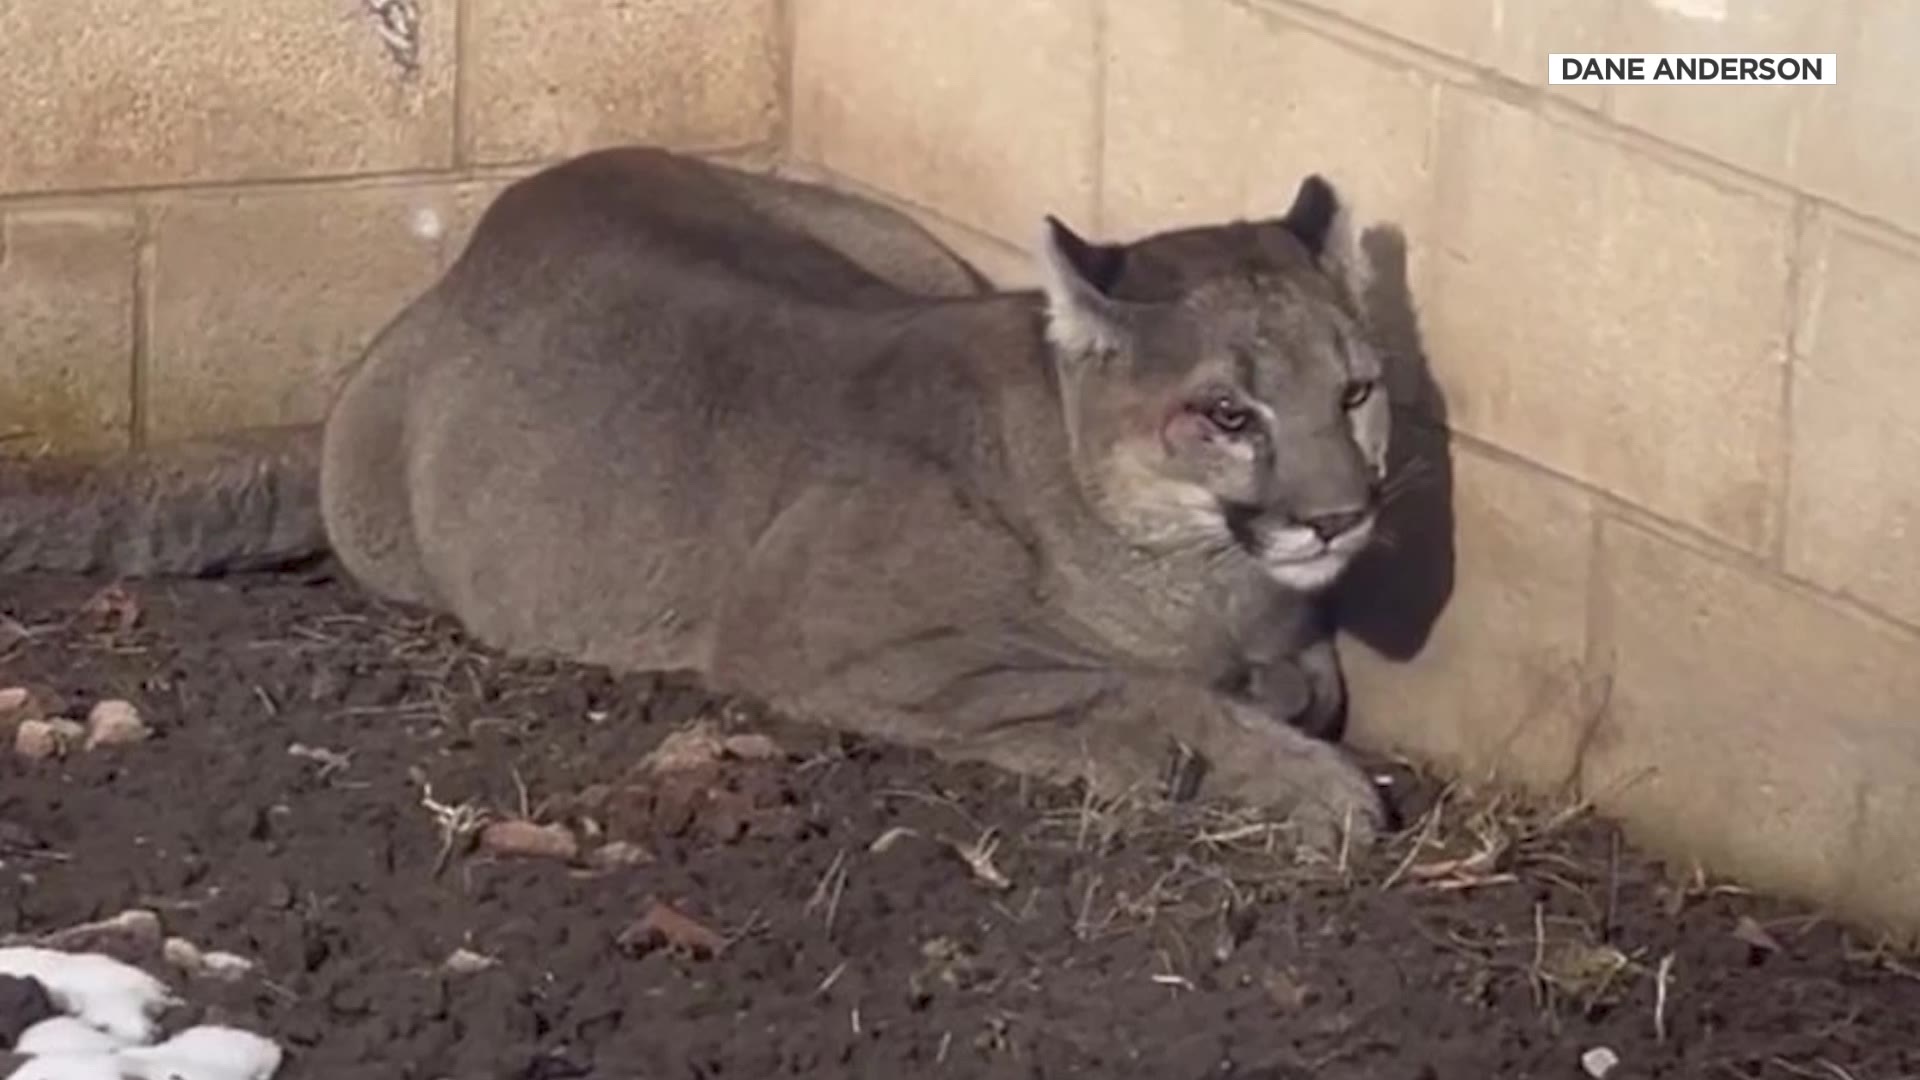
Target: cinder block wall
[(1673, 331), (207, 209), (1670, 332)]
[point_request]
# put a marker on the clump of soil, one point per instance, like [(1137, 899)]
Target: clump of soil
[(419, 859)]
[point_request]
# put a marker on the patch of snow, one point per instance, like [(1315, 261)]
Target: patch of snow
[(117, 998), (110, 1008)]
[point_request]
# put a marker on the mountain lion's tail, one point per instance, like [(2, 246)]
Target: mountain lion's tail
[(241, 501)]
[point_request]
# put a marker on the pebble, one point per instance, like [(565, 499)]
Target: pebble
[(701, 745), (619, 853), (664, 923), (1599, 1061), (465, 961), (752, 747), (181, 953), (527, 838), (115, 723), (216, 965), (130, 934), (38, 740)]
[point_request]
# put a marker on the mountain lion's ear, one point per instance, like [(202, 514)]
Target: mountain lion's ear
[(1081, 315), (1310, 218)]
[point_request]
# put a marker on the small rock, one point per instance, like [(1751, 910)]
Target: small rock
[(665, 924), (752, 747), (1287, 993), (127, 936), (225, 966), (181, 953), (618, 854), (464, 961), (216, 965), (14, 700), (28, 702), (1599, 1061), (695, 747), (527, 838), (115, 723), (39, 740)]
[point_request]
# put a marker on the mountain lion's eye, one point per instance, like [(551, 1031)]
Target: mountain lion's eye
[(1227, 416), (1357, 393)]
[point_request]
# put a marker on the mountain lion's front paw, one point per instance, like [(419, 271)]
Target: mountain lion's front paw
[(1322, 790)]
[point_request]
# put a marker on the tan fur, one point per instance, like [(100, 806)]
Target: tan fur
[(649, 422)]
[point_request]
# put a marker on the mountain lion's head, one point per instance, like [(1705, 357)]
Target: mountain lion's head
[(1221, 392)]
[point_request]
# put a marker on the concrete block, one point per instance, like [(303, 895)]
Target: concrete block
[(1611, 317), (985, 113), (1217, 111), (1860, 145), (1759, 730), (261, 301), (1754, 127), (1499, 688), (99, 93), (66, 330), (1511, 38), (1853, 518), (545, 81)]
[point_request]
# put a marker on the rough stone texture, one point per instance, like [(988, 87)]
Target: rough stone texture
[(260, 301), (548, 80), (1511, 38), (1755, 127), (66, 330), (1217, 111), (100, 93), (1612, 318), (1861, 142), (1853, 520), (1498, 688), (984, 112), (1759, 730)]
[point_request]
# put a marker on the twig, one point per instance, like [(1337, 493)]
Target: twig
[(828, 890), (1661, 979), (833, 976), (456, 823)]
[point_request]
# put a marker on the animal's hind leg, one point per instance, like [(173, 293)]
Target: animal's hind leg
[(363, 483)]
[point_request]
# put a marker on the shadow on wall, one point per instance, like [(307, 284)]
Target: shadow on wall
[(1394, 594)]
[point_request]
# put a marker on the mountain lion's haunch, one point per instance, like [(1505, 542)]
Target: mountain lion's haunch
[(664, 414)]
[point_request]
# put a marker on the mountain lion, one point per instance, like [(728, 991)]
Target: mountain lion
[(666, 414)]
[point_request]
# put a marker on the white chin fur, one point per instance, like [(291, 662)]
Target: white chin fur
[(1293, 568), (1307, 575)]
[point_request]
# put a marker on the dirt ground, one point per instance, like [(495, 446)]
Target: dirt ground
[(334, 790)]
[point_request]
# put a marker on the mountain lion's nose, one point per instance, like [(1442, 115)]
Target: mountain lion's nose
[(1328, 526)]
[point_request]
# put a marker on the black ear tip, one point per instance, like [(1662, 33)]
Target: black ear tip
[(1097, 264), (1315, 204)]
